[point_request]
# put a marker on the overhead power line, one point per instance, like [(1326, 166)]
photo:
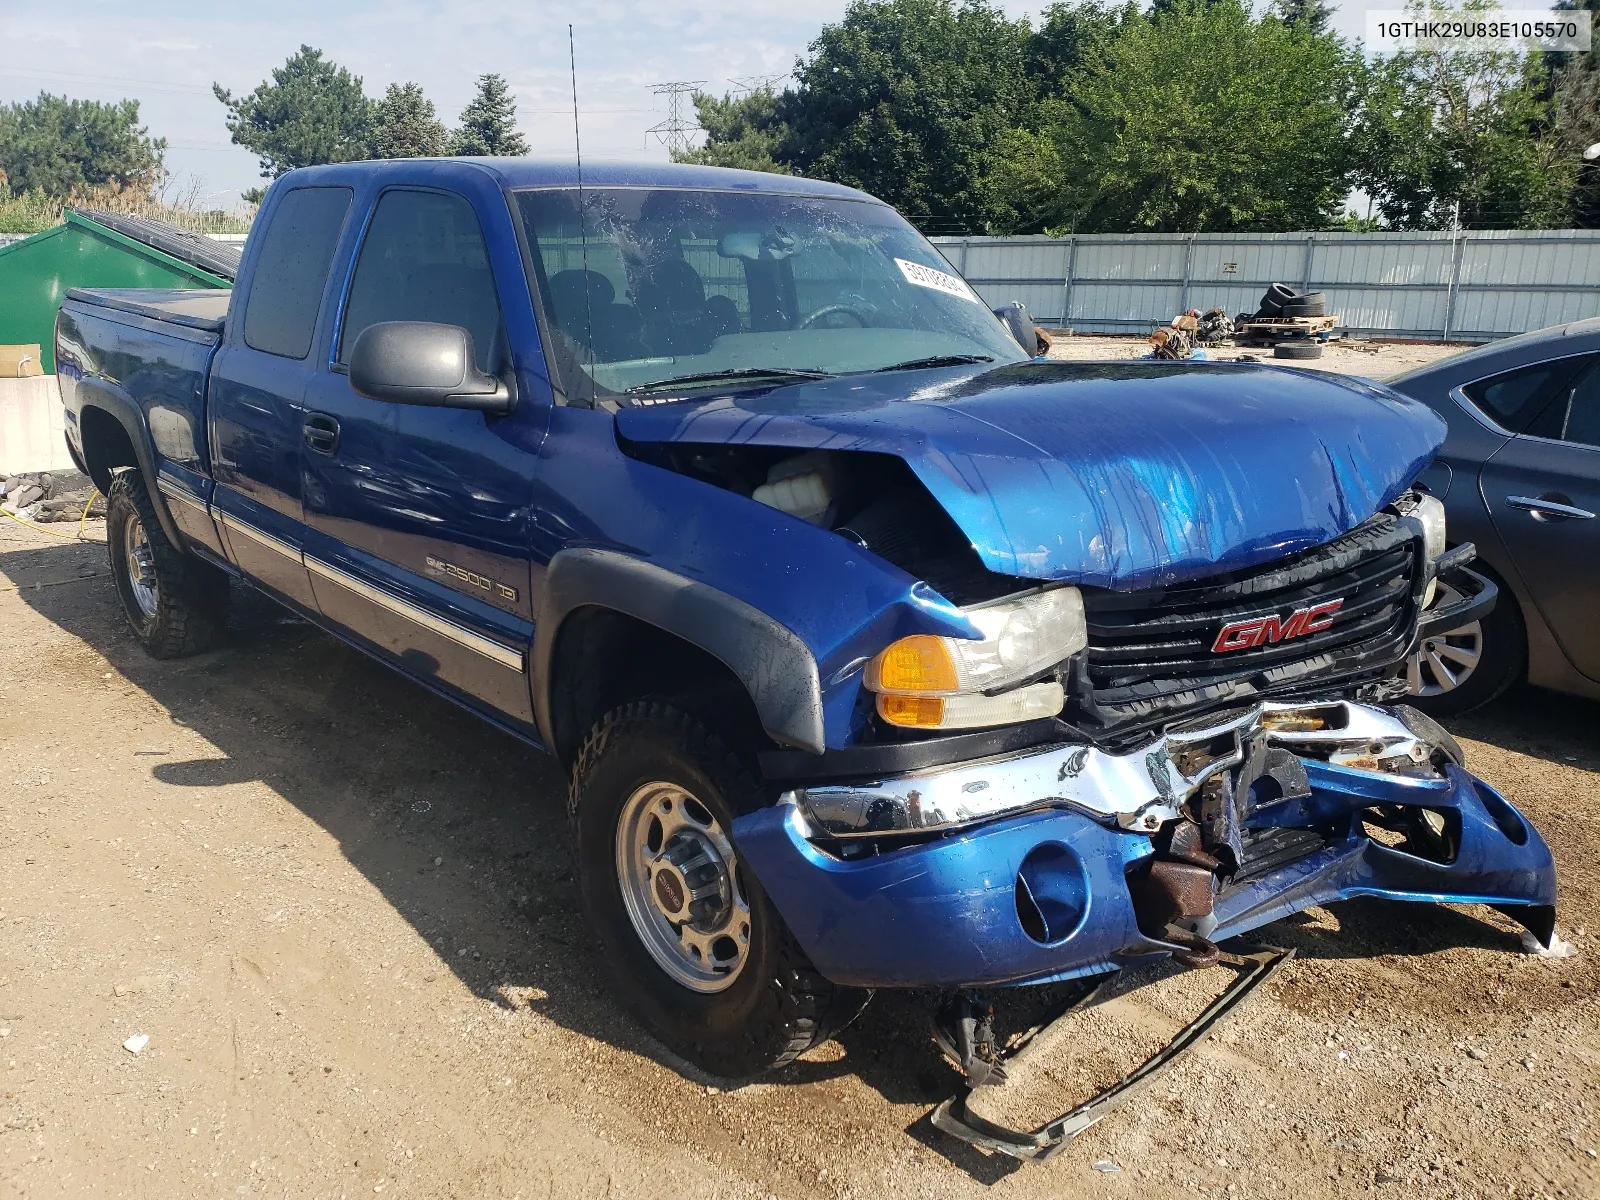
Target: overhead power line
[(675, 132)]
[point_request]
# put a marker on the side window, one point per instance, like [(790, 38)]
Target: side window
[(424, 260), (280, 313), (1514, 399), (1576, 418)]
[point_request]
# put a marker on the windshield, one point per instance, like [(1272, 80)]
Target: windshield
[(654, 286)]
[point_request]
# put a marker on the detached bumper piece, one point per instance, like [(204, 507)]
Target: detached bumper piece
[(955, 1118)]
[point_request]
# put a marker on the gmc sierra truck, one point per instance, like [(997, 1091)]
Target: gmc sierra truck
[(879, 654)]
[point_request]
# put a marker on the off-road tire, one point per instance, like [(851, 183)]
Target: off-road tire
[(1297, 350), (1502, 662), (778, 1006), (191, 596)]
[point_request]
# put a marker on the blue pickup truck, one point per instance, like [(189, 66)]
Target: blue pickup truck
[(879, 654)]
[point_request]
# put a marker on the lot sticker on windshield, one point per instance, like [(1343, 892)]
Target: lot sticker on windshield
[(939, 281)]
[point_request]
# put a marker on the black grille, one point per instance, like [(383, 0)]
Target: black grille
[(1150, 653)]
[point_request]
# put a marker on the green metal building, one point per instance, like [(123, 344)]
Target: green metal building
[(86, 251)]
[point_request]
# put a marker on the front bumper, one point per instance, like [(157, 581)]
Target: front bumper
[(1042, 895)]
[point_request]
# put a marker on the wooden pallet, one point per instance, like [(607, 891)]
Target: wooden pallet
[(1266, 329)]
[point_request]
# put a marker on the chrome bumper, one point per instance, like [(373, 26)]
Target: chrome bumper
[(1138, 791)]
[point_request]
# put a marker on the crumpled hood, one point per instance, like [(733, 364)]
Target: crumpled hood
[(1122, 475)]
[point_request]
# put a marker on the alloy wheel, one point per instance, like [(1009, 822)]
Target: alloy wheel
[(1445, 661)]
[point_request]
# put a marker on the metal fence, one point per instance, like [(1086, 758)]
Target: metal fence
[(1472, 286)]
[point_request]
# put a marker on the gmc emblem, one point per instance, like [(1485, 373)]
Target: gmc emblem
[(1258, 631)]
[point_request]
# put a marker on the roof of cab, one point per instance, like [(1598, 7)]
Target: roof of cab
[(532, 172)]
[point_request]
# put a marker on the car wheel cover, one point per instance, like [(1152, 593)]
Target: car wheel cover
[(681, 887), (1445, 661)]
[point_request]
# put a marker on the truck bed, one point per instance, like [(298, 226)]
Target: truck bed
[(197, 308)]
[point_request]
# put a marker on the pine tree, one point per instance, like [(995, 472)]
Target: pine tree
[(404, 124), (311, 111), (489, 123)]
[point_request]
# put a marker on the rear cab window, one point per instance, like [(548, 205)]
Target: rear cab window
[(291, 272)]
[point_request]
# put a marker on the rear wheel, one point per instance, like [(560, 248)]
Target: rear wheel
[(175, 604), (689, 940)]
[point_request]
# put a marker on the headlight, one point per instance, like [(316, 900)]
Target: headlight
[(940, 683), (1430, 511)]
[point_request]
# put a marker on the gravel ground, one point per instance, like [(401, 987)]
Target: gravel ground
[(1375, 360), (342, 912)]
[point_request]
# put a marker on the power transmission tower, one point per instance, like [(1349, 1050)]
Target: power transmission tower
[(758, 83), (675, 132)]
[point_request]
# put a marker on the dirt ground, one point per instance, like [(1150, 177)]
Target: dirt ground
[(342, 912), (1375, 360)]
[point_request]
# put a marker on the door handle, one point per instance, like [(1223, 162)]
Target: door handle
[(1548, 509), (321, 433)]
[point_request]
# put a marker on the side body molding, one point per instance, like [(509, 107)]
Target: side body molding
[(775, 666)]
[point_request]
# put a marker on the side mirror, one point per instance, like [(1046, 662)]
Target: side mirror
[(419, 362), (1014, 317)]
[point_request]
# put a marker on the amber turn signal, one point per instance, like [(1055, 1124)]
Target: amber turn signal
[(915, 712), (919, 663)]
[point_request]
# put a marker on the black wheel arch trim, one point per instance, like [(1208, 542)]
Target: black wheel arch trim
[(127, 415), (775, 666)]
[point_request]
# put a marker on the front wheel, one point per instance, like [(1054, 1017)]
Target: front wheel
[(689, 940), (1462, 669)]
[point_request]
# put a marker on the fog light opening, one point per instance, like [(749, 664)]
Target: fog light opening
[(1506, 817), (1052, 893)]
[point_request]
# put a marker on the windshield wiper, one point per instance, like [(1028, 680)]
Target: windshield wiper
[(937, 360), (737, 373)]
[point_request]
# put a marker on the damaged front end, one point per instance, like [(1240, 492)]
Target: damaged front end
[(1073, 860)]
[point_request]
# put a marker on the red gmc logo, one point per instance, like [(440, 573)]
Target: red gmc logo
[(1258, 631)]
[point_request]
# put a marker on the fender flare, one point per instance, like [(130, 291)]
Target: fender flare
[(91, 394), (775, 666)]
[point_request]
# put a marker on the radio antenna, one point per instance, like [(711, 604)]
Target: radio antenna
[(583, 221)]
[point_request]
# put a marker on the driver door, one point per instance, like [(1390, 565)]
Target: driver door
[(417, 517)]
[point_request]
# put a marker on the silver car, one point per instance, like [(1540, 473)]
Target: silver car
[(1519, 475)]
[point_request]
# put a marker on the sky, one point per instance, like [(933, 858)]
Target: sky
[(166, 55)]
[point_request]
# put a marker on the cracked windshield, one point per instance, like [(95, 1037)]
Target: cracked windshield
[(654, 291)]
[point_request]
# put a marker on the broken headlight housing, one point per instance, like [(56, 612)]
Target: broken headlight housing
[(926, 682), (1430, 512)]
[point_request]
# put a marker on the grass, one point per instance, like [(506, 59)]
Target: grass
[(35, 212)]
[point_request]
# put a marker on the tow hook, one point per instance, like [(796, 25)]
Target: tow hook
[(964, 1029)]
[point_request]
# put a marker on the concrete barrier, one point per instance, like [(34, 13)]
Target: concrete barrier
[(32, 427)]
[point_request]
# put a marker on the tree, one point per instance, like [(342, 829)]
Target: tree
[(903, 98), (489, 122), (312, 111), (57, 147), (1448, 135), (1069, 35), (404, 124), (746, 132), (1199, 118), (1574, 86), (1313, 16)]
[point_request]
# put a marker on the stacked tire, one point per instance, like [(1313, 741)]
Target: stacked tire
[(1281, 300)]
